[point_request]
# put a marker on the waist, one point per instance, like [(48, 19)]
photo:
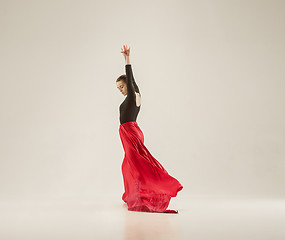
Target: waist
[(129, 123)]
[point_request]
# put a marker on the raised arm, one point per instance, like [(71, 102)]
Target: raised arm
[(130, 86), (136, 86), (131, 76)]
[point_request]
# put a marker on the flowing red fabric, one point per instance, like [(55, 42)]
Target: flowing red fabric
[(148, 186)]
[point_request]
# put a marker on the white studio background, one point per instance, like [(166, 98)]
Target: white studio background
[(211, 74)]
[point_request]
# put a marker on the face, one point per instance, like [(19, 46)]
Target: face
[(122, 87)]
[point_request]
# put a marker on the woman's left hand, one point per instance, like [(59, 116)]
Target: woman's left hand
[(125, 51)]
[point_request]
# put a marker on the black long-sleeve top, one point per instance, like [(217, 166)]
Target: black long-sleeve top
[(128, 109)]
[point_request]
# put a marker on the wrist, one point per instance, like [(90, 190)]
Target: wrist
[(127, 60)]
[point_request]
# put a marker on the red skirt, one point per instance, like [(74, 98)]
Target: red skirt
[(148, 186)]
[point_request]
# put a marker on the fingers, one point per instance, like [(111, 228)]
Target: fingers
[(125, 49)]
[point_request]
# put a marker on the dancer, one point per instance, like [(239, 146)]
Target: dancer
[(148, 186)]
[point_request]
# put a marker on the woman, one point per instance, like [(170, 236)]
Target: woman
[(148, 186)]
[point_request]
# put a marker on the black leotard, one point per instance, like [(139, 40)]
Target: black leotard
[(128, 109)]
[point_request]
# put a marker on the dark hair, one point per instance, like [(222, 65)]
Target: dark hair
[(122, 78)]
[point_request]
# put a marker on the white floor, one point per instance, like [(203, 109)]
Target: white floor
[(107, 217)]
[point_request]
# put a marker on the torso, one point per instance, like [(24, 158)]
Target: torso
[(129, 109)]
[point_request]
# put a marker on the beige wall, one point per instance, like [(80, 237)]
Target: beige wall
[(211, 74)]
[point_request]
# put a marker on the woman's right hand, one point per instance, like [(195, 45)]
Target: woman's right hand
[(125, 51)]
